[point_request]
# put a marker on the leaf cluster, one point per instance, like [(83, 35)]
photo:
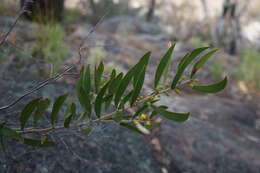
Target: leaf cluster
[(121, 92)]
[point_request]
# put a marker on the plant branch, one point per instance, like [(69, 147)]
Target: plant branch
[(106, 116)]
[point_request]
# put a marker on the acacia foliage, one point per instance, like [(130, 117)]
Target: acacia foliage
[(96, 92)]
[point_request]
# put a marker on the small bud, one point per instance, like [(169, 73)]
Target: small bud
[(136, 122), (177, 91), (159, 87), (167, 84), (148, 123), (191, 85), (196, 80), (183, 78), (143, 117)]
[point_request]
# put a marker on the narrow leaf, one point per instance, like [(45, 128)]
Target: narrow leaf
[(177, 117), (68, 120), (138, 87), (192, 55), (131, 127), (41, 108), (98, 75), (27, 112), (84, 99), (132, 73), (125, 100), (214, 88), (9, 133), (143, 62), (178, 74), (99, 99), (162, 65), (56, 108), (115, 83), (86, 131), (38, 143), (86, 83), (154, 113), (201, 62), (108, 99)]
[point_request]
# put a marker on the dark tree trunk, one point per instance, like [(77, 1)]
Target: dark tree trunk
[(228, 28), (43, 11), (150, 13)]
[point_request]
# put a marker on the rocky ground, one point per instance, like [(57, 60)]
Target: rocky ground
[(221, 136)]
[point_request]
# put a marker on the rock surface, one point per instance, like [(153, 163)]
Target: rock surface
[(221, 136)]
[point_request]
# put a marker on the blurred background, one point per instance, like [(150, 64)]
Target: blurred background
[(223, 134)]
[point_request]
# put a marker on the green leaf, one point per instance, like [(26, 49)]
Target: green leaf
[(133, 72), (86, 131), (162, 65), (115, 83), (113, 74), (192, 56), (84, 99), (100, 99), (86, 83), (186, 60), (70, 114), (201, 62), (41, 108), (154, 113), (9, 133), (68, 120), (98, 75), (139, 85), (56, 108), (142, 64), (108, 99), (177, 117), (125, 100), (214, 88), (131, 127), (38, 143), (27, 111)]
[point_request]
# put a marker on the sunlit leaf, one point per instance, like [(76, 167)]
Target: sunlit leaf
[(213, 88), (162, 65), (56, 108), (201, 62), (27, 111)]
